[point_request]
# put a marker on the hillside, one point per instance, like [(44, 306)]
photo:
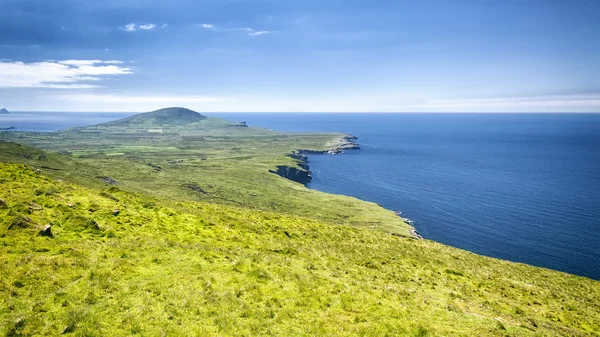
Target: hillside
[(3, 111), (159, 118), (159, 267), (209, 160), (187, 232)]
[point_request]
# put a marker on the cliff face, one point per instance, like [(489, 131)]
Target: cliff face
[(299, 175), (303, 175)]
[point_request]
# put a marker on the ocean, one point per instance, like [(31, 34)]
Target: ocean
[(521, 187)]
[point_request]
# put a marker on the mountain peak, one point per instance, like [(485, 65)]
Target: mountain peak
[(161, 117), (4, 112)]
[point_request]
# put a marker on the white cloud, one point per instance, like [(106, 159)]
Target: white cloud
[(144, 99), (262, 32), (148, 26), (129, 28), (250, 31), (132, 27), (66, 74)]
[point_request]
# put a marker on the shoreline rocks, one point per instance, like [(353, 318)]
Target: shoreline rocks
[(303, 174), (415, 234), (347, 142)]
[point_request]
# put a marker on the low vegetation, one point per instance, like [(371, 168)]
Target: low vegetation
[(160, 267), (155, 241)]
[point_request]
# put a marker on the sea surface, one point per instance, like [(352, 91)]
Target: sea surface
[(521, 187)]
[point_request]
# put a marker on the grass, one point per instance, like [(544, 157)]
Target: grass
[(230, 163), (196, 237), (164, 267)]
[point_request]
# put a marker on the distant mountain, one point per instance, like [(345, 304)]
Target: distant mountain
[(158, 118), (4, 112)]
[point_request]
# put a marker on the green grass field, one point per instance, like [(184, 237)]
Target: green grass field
[(251, 254)]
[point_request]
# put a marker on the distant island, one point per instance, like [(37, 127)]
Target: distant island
[(3, 111)]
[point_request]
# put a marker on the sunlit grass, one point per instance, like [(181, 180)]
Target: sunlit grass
[(164, 267)]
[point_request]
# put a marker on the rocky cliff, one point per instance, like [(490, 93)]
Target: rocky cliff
[(302, 174), (299, 175)]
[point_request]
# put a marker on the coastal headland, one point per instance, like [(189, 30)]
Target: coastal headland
[(170, 222)]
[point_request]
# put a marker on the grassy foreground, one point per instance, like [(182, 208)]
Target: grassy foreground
[(183, 268)]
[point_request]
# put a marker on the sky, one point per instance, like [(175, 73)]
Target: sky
[(300, 56)]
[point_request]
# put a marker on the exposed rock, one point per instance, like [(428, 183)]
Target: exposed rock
[(108, 180), (298, 156), (38, 171), (339, 146), (47, 231), (195, 188), (2, 203), (299, 175), (20, 222), (116, 212), (415, 234), (156, 167), (91, 224)]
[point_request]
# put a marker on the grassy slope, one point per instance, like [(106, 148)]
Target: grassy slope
[(195, 268), (230, 163)]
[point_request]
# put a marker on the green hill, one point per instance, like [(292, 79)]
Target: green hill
[(158, 118), (159, 267)]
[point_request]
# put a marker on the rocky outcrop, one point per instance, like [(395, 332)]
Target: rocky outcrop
[(415, 234), (108, 180), (347, 142), (299, 175), (302, 174), (47, 231), (195, 188)]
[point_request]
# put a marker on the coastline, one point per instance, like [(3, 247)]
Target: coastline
[(338, 146)]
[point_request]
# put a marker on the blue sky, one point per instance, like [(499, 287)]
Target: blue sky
[(314, 56)]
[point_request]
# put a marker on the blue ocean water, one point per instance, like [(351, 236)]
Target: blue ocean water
[(53, 121), (521, 187)]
